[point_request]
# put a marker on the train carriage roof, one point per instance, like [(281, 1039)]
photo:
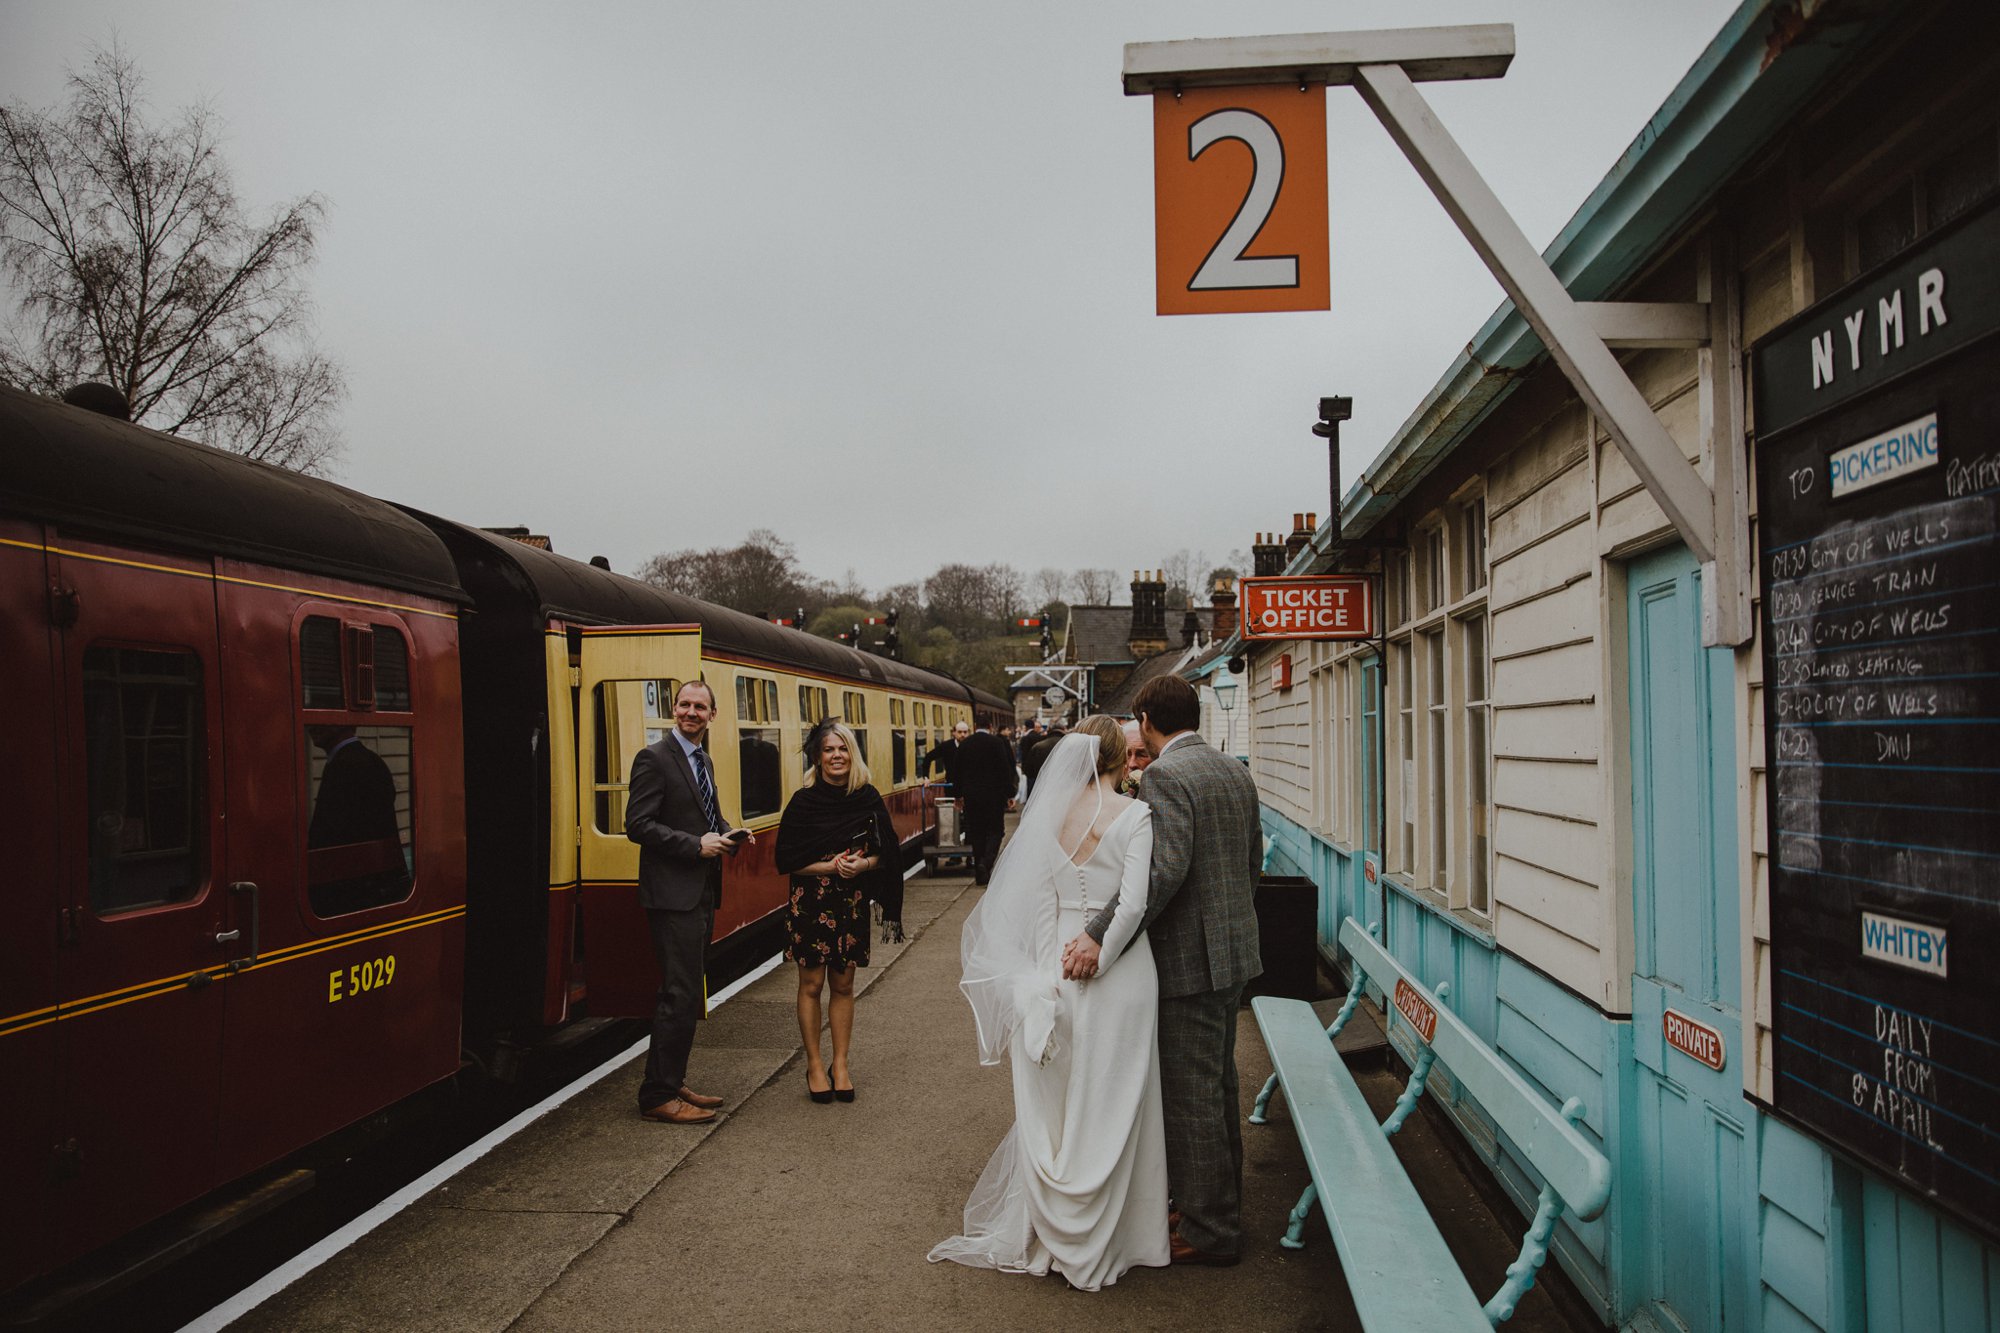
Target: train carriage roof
[(85, 471), (575, 591)]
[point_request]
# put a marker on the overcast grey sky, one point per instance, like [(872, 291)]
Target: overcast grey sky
[(878, 276)]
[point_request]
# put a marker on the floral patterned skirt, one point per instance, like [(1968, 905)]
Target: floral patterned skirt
[(827, 925)]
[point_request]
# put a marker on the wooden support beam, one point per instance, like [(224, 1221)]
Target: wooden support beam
[(1647, 323)]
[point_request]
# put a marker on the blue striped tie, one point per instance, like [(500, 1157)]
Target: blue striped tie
[(702, 781)]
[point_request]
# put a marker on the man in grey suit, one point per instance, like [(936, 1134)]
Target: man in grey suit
[(673, 814), (1202, 921)]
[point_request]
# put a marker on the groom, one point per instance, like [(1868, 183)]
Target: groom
[(1201, 918)]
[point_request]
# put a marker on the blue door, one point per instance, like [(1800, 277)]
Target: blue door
[(1690, 1246)]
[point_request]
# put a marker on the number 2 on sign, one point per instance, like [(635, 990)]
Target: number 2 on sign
[(1240, 215), (371, 975)]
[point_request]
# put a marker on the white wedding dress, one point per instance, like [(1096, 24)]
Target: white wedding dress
[(1079, 1184)]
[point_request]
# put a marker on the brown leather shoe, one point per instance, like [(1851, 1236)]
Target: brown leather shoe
[(702, 1100), (1180, 1252), (677, 1112)]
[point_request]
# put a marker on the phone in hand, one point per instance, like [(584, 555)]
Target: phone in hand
[(736, 837)]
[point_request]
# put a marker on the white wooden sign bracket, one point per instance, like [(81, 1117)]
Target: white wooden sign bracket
[(1383, 67)]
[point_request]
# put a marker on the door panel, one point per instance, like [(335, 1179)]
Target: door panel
[(31, 909), (139, 787), (625, 702), (1690, 1201)]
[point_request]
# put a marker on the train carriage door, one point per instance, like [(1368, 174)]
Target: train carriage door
[(626, 684), (1689, 1213), (146, 931)]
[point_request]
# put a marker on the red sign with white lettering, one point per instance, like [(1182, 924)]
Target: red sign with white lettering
[(1326, 606), (1690, 1038), (1417, 1009)]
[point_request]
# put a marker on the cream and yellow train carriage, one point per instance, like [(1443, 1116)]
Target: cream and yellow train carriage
[(578, 671)]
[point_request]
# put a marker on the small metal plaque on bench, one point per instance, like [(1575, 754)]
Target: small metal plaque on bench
[(1417, 1009)]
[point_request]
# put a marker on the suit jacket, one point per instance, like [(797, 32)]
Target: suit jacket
[(663, 815), (1208, 850), (1038, 754), (945, 755), (985, 770)]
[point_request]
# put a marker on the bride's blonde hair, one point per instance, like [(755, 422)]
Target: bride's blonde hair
[(1110, 733)]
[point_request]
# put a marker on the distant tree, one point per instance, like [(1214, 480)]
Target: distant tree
[(131, 261), (973, 599), (835, 621), (1094, 587), (760, 575), (907, 600), (1179, 570), (1050, 585), (1226, 574)]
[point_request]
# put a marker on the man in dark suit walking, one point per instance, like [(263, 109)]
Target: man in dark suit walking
[(1201, 917), (673, 814), (947, 754), (985, 788)]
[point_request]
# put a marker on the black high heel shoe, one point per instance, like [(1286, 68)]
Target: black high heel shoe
[(823, 1097), (841, 1094)]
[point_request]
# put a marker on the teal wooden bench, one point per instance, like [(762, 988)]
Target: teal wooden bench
[(1402, 1276)]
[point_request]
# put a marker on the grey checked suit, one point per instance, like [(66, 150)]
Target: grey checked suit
[(1202, 921)]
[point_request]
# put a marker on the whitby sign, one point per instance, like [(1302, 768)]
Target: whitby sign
[(1327, 606)]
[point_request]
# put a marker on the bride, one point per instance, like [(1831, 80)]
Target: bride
[(1079, 1184)]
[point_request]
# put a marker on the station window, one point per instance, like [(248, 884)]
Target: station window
[(760, 769), (1478, 756), (1472, 546), (145, 781)]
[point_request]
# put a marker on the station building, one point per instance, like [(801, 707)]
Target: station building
[(1644, 851)]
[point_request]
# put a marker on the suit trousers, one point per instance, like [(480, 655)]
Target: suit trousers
[(680, 947), (1204, 1123), (985, 821)]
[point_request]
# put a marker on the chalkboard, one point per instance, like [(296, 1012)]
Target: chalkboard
[(1879, 521)]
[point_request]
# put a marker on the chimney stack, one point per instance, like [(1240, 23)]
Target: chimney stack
[(1267, 555), (1149, 614), (1299, 536), (1223, 599)]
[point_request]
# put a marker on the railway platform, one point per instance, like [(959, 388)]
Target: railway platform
[(785, 1214)]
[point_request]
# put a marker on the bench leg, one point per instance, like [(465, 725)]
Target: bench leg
[(1534, 1253), (1263, 1100), (1294, 1237)]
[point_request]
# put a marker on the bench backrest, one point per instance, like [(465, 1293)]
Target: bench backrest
[(1570, 1163)]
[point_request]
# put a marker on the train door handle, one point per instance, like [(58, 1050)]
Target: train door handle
[(244, 886)]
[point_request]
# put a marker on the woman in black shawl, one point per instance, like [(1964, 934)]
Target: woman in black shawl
[(836, 842)]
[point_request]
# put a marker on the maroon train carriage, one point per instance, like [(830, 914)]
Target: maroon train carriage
[(252, 719), (231, 757)]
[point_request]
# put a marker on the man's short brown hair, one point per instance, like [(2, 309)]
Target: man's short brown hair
[(1168, 705)]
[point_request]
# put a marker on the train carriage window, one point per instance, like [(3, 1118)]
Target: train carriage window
[(145, 780), (812, 704), (895, 712), (626, 716), (372, 674), (899, 757), (392, 671), (854, 708), (359, 850), (937, 715), (323, 682), (759, 766)]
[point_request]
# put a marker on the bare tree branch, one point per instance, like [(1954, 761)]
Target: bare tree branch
[(131, 261)]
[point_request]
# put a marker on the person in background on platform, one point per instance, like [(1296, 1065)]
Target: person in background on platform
[(1079, 1185), (1200, 913), (1031, 762), (945, 757), (1024, 744), (672, 813), (836, 842), (985, 789), (1137, 756)]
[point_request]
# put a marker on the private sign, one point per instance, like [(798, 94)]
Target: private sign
[(1329, 606)]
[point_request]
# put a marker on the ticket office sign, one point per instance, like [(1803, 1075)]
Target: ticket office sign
[(1880, 541), (1323, 606), (1239, 200)]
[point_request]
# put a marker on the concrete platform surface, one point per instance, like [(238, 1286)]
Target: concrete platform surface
[(786, 1214)]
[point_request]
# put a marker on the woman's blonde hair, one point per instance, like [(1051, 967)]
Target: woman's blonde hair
[(857, 767), (1110, 733)]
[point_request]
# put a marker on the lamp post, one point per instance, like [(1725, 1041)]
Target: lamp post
[(1333, 411), (1224, 686)]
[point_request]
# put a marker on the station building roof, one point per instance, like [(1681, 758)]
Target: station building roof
[(1760, 71)]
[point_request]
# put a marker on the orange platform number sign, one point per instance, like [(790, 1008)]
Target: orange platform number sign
[(1239, 199)]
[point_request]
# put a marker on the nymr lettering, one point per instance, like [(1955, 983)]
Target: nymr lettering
[(1888, 325)]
